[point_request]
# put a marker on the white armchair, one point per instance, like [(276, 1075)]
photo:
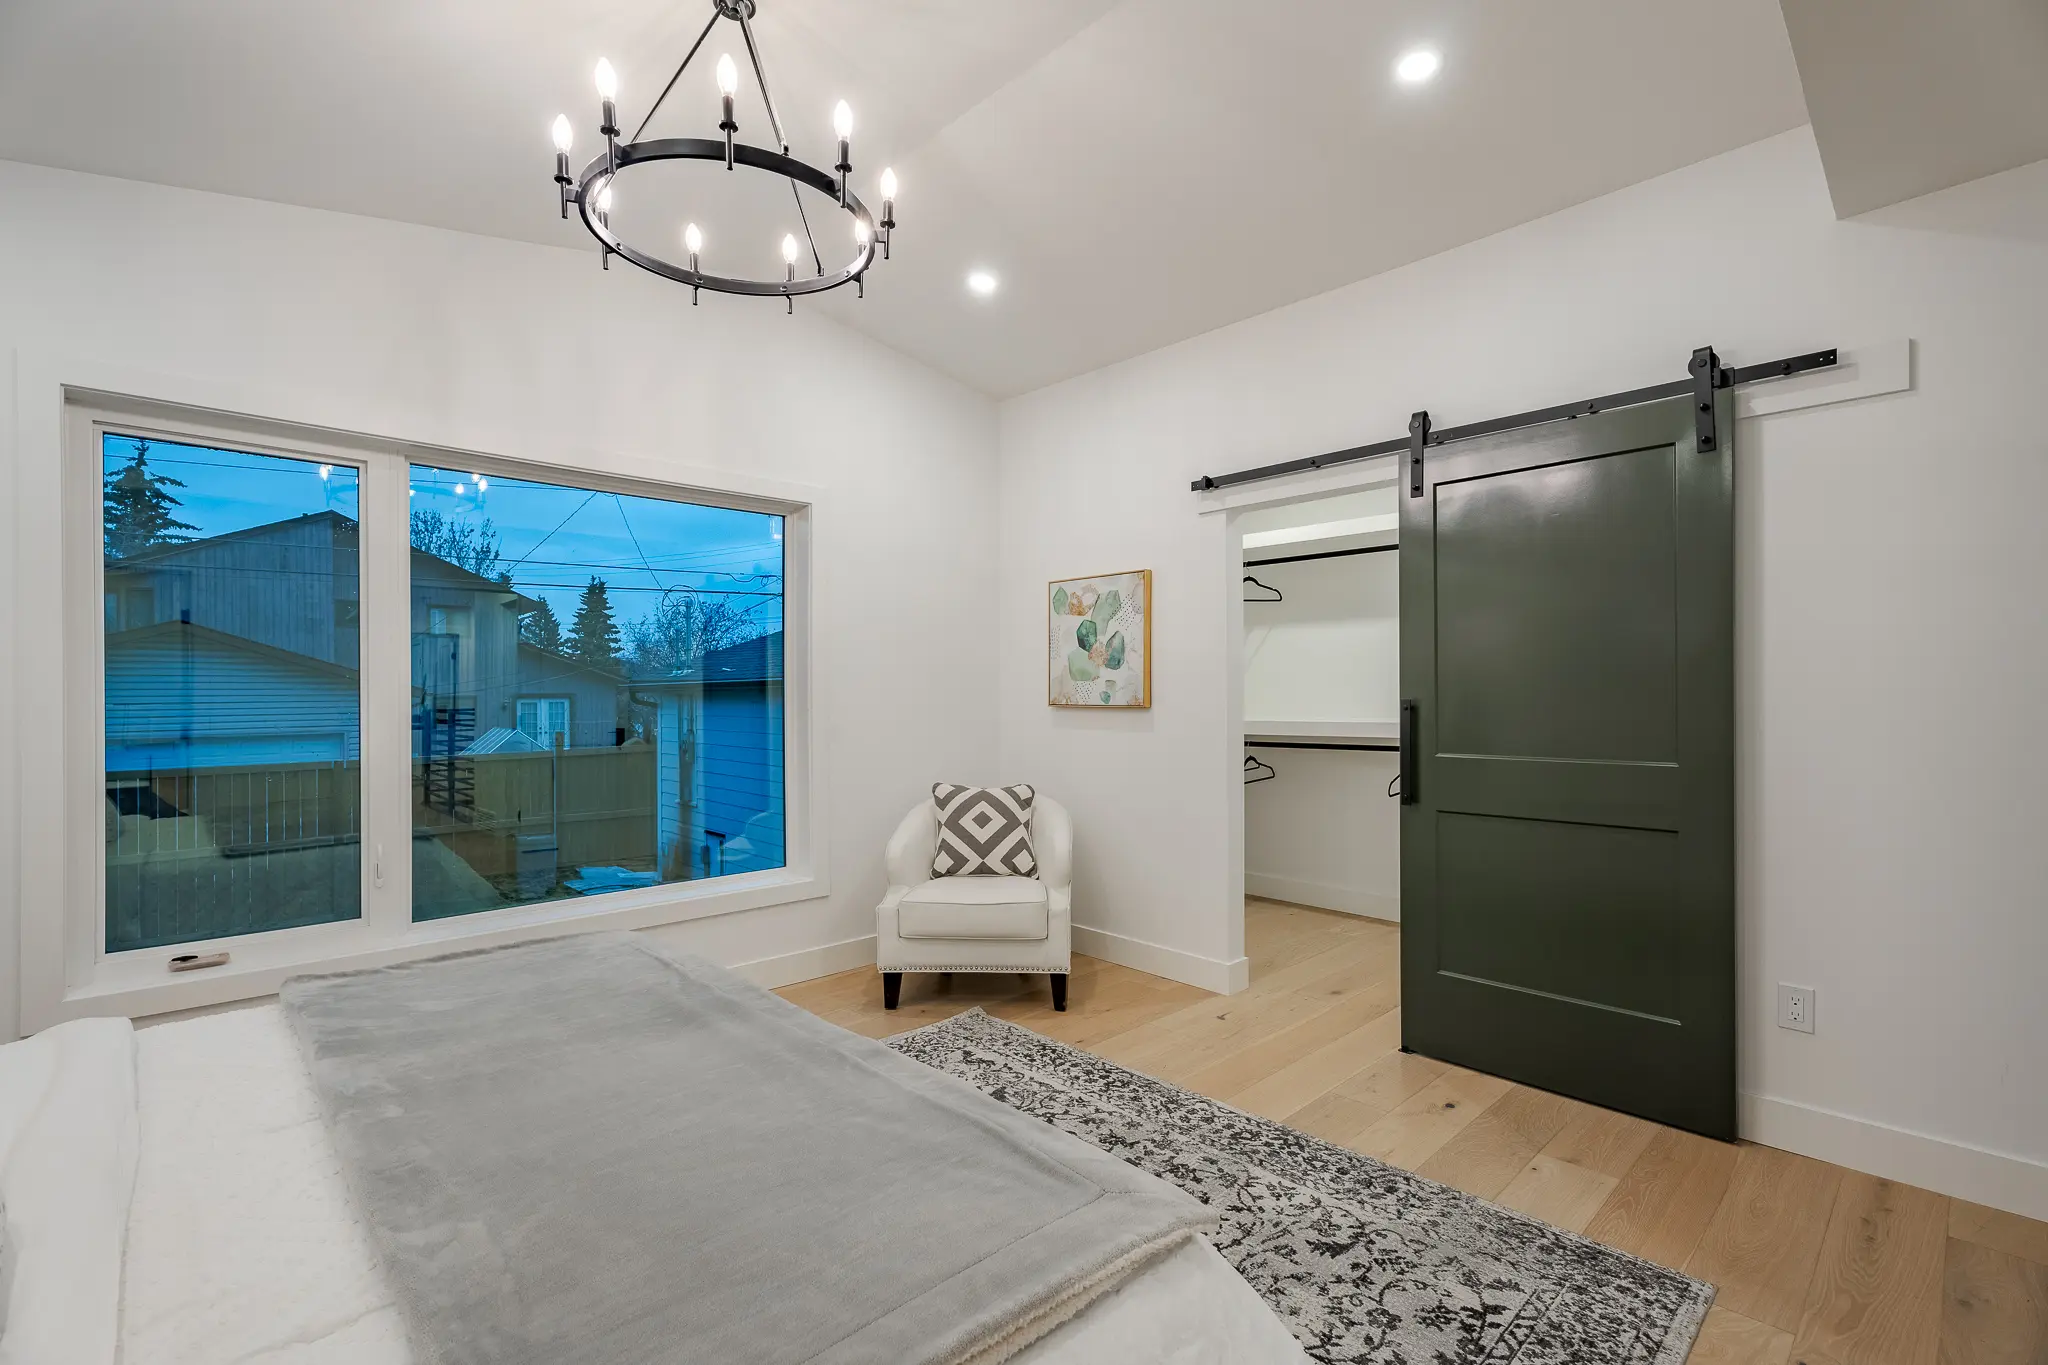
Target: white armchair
[(977, 924)]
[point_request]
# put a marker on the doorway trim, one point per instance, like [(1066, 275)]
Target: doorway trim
[(1231, 504)]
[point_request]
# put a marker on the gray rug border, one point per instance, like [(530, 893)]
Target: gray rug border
[(1685, 1327)]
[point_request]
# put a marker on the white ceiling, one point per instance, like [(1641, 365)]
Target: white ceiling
[(1135, 171), (1909, 97)]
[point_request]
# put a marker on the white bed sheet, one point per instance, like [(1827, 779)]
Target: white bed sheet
[(243, 1244)]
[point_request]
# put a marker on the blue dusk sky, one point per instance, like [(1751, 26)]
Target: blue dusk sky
[(553, 539)]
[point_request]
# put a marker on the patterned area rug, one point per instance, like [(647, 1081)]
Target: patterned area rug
[(1364, 1262)]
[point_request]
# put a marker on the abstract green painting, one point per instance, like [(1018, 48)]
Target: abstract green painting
[(1099, 640)]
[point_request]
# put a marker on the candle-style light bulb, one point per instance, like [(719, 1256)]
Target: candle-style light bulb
[(604, 200), (860, 231), (728, 86), (565, 137), (607, 92), (789, 250), (842, 124), (693, 242), (888, 223)]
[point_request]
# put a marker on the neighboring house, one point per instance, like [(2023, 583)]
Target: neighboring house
[(465, 655), (559, 695), (183, 696), (291, 585), (719, 732)]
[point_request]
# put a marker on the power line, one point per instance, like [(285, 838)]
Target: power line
[(551, 535)]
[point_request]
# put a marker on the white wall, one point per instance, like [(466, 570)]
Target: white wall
[(1324, 832), (422, 334), (1893, 668), (1331, 649)]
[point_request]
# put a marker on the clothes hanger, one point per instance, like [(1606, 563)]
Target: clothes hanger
[(1256, 771), (1276, 597)]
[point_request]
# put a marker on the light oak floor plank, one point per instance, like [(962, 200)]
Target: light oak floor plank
[(1728, 1338), (1560, 1193), (1489, 1152), (1876, 1292), (1814, 1265), (2026, 1238), (1994, 1308), (1661, 1207), (1760, 1248), (1431, 1117)]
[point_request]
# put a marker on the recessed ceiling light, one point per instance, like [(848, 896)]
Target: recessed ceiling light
[(1418, 66), (982, 283)]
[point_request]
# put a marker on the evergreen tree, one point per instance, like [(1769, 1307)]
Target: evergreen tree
[(138, 508), (594, 636), (540, 627)]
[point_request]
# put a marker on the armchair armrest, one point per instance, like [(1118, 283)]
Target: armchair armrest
[(1052, 840), (912, 846)]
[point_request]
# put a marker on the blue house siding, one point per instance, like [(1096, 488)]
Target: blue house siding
[(742, 770), (721, 761)]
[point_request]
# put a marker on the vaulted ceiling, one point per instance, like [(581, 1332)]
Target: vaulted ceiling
[(1134, 171)]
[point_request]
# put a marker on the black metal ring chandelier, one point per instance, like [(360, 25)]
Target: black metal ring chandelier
[(591, 190)]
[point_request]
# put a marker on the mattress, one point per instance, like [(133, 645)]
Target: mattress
[(243, 1246)]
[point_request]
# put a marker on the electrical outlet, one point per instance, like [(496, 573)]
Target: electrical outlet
[(1795, 1007)]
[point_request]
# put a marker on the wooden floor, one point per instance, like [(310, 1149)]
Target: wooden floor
[(1814, 1263)]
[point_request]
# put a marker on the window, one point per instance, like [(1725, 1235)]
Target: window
[(545, 720), (325, 704), (232, 742), (597, 691)]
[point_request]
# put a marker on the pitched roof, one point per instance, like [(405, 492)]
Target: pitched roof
[(190, 634), (749, 661)]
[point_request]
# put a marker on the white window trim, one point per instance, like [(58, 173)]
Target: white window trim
[(63, 969)]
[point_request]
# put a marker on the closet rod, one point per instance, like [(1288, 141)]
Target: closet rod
[(1325, 554), (1422, 434), (1306, 744)]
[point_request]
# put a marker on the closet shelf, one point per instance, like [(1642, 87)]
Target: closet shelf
[(1322, 729)]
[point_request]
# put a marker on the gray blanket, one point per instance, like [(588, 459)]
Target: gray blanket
[(588, 1152)]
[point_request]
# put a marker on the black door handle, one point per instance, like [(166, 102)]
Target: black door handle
[(1408, 786)]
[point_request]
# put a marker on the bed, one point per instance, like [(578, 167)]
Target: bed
[(243, 1239)]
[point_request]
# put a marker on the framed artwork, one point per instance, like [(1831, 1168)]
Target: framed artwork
[(1098, 638)]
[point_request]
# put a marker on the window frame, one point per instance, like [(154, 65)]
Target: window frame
[(65, 968)]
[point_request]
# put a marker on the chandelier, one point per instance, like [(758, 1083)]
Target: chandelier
[(590, 191)]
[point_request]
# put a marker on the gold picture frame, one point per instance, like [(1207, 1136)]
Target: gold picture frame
[(1099, 640)]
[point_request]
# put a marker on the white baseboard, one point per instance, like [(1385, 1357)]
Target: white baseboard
[(1211, 974), (1347, 899), (808, 963), (1999, 1179)]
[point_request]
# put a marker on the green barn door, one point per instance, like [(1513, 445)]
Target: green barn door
[(1568, 850)]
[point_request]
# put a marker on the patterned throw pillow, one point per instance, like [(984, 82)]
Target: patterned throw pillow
[(983, 831)]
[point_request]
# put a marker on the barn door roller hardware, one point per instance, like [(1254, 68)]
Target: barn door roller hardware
[(1704, 375)]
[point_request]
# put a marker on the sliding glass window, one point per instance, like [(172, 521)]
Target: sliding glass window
[(230, 656), (597, 691)]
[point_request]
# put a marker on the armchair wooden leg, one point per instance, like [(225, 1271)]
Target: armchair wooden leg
[(1059, 992), (892, 989)]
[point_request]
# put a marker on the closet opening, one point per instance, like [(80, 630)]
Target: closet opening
[(1321, 714)]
